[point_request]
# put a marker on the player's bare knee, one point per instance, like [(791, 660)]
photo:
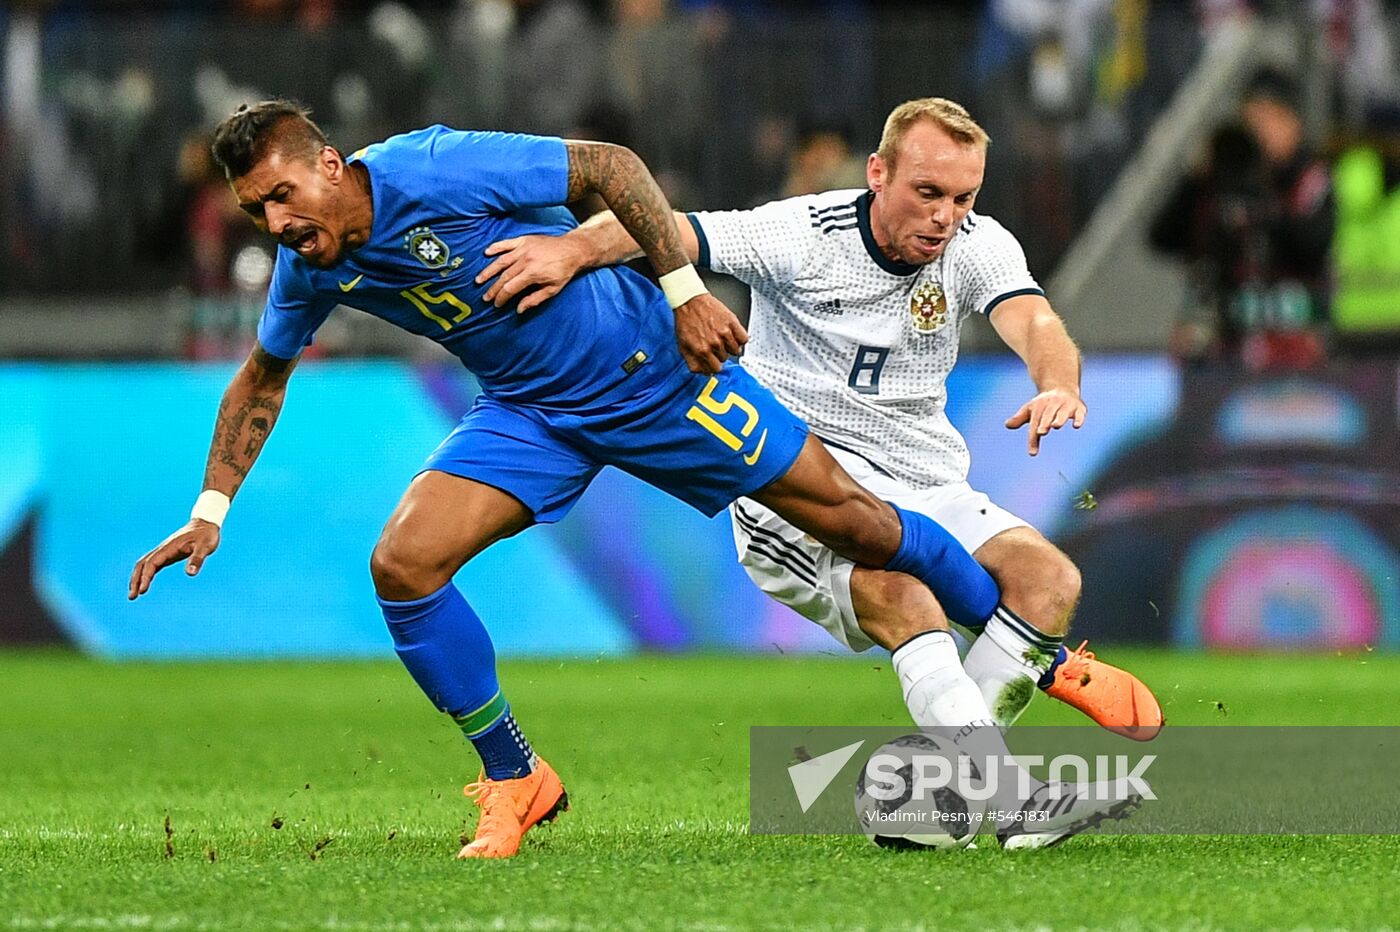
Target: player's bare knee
[(1046, 590), (1068, 581), (1059, 585), (386, 571), (400, 574)]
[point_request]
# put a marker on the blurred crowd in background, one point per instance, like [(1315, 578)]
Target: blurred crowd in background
[(1217, 179), (1288, 221)]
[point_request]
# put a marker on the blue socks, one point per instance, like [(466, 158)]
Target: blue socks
[(931, 555), (505, 754), (448, 652)]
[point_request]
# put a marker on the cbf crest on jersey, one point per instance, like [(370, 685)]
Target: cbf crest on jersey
[(426, 247), (929, 307)]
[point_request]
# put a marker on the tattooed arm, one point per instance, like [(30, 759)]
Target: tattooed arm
[(247, 413), (250, 407), (529, 270), (618, 176), (707, 331)]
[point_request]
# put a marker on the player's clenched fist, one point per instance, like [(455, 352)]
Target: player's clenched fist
[(1050, 410), (708, 333), (195, 541)]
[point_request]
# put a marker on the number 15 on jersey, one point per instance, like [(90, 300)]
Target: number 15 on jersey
[(707, 407)]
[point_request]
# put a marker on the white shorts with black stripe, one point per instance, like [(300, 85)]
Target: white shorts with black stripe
[(801, 573)]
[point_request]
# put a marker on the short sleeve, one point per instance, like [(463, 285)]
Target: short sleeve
[(293, 311), (498, 173), (765, 245), (991, 267)]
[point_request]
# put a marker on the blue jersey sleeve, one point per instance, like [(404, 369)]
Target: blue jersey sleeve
[(497, 173), (293, 312)]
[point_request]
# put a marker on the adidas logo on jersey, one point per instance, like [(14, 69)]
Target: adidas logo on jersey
[(827, 307)]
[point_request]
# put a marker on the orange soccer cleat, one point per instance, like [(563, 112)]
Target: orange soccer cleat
[(510, 808), (1114, 698)]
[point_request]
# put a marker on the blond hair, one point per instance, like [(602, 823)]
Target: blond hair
[(951, 117)]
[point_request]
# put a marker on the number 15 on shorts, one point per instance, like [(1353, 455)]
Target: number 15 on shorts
[(707, 407)]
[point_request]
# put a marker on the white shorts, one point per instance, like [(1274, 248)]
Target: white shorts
[(793, 568)]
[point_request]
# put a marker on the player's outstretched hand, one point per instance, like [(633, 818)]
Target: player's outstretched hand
[(542, 263), (1050, 410), (195, 541), (708, 333)]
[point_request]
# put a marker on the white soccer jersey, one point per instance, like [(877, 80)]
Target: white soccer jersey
[(857, 345)]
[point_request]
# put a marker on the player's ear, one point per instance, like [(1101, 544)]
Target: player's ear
[(331, 163), (876, 172)]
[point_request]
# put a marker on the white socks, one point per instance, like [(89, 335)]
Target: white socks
[(939, 694), (1007, 661), (937, 690)]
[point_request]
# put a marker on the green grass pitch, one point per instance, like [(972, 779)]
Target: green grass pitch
[(328, 796)]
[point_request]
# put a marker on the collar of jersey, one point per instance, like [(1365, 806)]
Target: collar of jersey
[(867, 236), (375, 195)]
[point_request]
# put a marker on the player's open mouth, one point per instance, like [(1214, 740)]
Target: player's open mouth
[(305, 243), (928, 244)]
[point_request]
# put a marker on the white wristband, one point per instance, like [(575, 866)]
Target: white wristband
[(211, 506), (681, 285)]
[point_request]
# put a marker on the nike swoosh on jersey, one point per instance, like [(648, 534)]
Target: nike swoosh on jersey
[(346, 286), (762, 439)]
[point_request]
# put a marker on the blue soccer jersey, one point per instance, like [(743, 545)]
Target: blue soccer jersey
[(591, 378), (440, 197)]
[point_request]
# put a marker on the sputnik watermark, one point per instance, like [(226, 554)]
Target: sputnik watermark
[(1207, 780), (905, 773), (918, 775)]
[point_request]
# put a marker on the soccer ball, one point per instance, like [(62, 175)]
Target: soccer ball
[(894, 816)]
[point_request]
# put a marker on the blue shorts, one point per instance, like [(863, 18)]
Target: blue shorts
[(706, 440)]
